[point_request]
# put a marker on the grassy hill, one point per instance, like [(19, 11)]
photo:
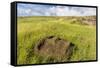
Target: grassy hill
[(32, 29)]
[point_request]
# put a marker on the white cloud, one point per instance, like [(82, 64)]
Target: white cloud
[(22, 11), (28, 11), (90, 11), (64, 11), (55, 11)]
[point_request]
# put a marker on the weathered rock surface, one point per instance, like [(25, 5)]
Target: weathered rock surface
[(54, 47)]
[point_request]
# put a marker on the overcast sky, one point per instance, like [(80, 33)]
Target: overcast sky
[(53, 10)]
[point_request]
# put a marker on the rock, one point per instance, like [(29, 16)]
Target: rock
[(54, 47)]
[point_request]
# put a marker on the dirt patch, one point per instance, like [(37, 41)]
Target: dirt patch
[(54, 47)]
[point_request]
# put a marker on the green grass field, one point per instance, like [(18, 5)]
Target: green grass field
[(32, 29)]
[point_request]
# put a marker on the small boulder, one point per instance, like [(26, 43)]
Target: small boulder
[(54, 47)]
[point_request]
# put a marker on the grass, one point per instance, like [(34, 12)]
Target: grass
[(32, 29)]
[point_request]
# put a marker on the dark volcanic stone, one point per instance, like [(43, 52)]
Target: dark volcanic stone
[(54, 47)]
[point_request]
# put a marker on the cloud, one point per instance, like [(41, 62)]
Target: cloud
[(23, 11), (74, 11), (53, 10), (89, 11)]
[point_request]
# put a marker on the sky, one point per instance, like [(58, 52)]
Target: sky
[(53, 10)]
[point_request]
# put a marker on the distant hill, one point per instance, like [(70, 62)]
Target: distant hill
[(83, 20)]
